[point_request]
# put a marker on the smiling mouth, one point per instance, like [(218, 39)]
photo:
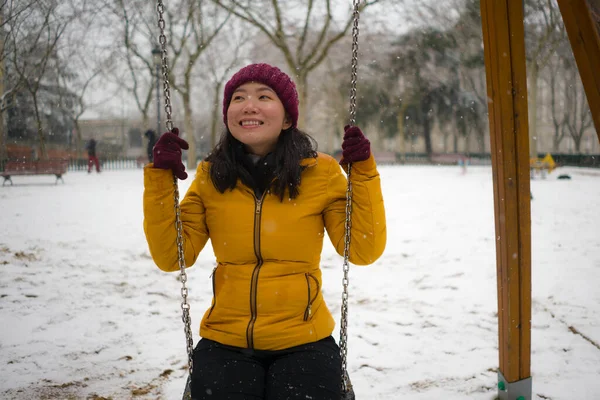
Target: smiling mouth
[(251, 123)]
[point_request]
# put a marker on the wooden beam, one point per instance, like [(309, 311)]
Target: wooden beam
[(585, 42), (504, 50)]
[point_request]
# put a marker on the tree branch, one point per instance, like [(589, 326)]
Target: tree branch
[(250, 19), (302, 39)]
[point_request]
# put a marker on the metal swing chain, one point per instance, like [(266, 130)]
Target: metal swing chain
[(348, 222), (347, 226), (185, 306)]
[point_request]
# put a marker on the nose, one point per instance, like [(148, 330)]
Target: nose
[(249, 106)]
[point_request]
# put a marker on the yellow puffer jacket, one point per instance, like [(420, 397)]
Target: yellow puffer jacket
[(267, 282)]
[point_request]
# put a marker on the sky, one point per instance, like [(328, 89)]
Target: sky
[(85, 313)]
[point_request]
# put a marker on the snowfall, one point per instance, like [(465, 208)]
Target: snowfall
[(85, 313)]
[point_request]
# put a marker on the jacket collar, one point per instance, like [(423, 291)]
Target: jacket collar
[(308, 162)]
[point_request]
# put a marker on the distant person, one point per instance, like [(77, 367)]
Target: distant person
[(463, 162), (151, 135), (92, 158)]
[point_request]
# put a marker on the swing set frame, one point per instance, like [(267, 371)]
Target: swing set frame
[(504, 53)]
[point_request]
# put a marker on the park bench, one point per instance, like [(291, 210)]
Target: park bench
[(56, 167)]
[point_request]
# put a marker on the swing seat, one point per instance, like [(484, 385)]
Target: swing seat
[(348, 395), (345, 395)]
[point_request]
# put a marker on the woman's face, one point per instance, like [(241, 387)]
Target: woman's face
[(256, 117)]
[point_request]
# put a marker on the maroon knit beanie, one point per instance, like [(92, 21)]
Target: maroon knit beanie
[(270, 76)]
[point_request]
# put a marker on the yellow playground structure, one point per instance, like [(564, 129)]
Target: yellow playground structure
[(541, 167)]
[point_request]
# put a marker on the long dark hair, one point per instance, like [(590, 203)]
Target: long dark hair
[(292, 146)]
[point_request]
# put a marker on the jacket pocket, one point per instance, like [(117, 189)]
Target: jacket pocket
[(312, 295), (214, 299)]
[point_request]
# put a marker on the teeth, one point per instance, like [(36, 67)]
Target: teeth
[(250, 123)]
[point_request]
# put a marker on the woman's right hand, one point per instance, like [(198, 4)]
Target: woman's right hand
[(167, 153), (355, 146)]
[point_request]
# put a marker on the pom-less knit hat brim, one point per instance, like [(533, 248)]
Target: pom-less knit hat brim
[(271, 76)]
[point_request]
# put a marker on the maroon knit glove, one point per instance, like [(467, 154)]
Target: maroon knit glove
[(167, 153), (355, 146)]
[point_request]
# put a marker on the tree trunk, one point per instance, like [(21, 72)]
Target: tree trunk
[(302, 88), (427, 135), (42, 140), (3, 151), (146, 125), (335, 131), (446, 136), (146, 122), (480, 140), (78, 147), (577, 140), (216, 116), (533, 95), (468, 143), (189, 130), (559, 134), (425, 107), (400, 140)]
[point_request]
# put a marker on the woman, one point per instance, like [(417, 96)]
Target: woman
[(264, 197)]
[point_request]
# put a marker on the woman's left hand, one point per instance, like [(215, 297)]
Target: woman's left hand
[(355, 146)]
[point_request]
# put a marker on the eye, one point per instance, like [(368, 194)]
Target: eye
[(265, 96), (237, 97)]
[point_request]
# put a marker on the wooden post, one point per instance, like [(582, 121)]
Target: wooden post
[(585, 42), (504, 51)]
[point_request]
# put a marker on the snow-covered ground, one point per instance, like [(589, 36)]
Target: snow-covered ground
[(85, 314)]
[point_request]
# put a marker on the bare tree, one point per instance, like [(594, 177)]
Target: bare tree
[(303, 31), (218, 65), (77, 105), (3, 152), (558, 118), (91, 61), (202, 24), (10, 14), (578, 118), (138, 36), (11, 10), (34, 39), (190, 27), (420, 13), (335, 99), (544, 34)]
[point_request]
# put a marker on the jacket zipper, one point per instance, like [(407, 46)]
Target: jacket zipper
[(212, 275), (254, 281), (311, 299)]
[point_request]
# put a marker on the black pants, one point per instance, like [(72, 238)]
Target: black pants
[(310, 371)]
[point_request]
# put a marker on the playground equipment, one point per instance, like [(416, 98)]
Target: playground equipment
[(541, 167), (504, 51)]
